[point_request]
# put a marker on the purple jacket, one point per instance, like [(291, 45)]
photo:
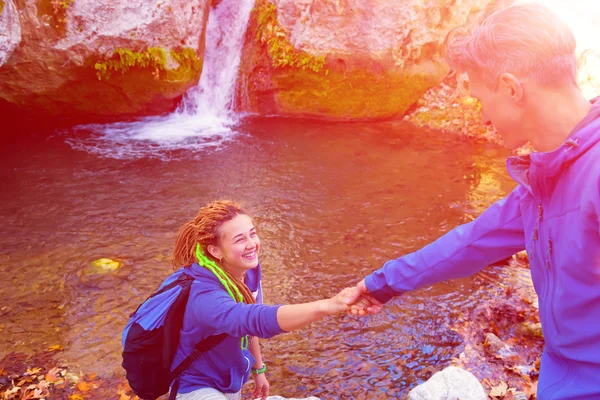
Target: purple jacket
[(211, 311), (554, 214)]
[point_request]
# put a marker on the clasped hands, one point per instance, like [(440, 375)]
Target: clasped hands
[(358, 300)]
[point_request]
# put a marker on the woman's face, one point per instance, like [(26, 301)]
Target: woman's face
[(239, 245)]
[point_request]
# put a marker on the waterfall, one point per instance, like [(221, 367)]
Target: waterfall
[(205, 117), (215, 92)]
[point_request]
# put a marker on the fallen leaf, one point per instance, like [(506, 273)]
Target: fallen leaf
[(76, 397), (84, 386), (13, 390), (530, 389), (33, 371), (71, 377), (56, 347), (53, 375), (500, 390), (24, 380)]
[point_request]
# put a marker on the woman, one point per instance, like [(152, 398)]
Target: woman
[(220, 249)]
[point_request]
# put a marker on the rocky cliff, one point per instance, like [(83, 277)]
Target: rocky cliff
[(345, 59)]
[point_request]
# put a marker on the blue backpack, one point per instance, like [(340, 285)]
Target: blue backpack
[(151, 337)]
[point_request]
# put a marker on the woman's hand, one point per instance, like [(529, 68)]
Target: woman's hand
[(261, 387), (368, 303), (339, 302)]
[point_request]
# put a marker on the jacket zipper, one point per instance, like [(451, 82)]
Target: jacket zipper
[(549, 262), (545, 263)]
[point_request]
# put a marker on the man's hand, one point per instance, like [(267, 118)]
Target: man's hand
[(362, 302), (261, 387)]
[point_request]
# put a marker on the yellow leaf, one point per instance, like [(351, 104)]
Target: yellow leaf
[(83, 386), (76, 397), (33, 371), (56, 347), (500, 390)]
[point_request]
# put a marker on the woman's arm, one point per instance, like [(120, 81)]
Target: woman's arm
[(261, 384), (295, 316), (213, 307)]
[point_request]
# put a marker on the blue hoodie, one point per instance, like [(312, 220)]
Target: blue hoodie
[(554, 213), (211, 311)]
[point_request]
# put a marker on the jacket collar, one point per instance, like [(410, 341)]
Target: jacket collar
[(546, 165)]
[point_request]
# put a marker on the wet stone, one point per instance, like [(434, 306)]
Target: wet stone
[(449, 384), (101, 266)]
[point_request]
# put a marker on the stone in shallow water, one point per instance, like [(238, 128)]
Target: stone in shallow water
[(101, 266), (450, 384)]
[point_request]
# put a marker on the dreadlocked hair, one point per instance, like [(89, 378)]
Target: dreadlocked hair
[(195, 236)]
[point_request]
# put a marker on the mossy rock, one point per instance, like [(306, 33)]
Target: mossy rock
[(102, 266)]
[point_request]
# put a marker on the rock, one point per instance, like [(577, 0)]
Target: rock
[(497, 348), (351, 59), (102, 266), (100, 58), (530, 328), (450, 384)]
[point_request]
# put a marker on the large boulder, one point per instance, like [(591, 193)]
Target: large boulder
[(450, 384), (345, 59), (100, 58)]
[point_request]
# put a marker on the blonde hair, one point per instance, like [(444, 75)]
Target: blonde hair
[(522, 39), (204, 230)]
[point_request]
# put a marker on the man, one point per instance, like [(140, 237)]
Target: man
[(521, 66)]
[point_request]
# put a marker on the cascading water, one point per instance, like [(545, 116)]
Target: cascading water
[(205, 117)]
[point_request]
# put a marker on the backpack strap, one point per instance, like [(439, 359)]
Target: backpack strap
[(200, 348)]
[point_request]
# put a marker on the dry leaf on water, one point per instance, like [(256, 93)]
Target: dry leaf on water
[(33, 371), (502, 391), (53, 375), (85, 386)]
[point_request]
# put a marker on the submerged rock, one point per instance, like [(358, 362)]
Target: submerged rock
[(102, 266), (100, 58), (349, 59), (450, 384)]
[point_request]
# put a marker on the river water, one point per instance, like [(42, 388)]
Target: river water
[(332, 202)]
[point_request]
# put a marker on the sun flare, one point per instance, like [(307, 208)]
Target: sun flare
[(583, 16)]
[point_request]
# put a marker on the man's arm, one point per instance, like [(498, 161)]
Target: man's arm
[(494, 235)]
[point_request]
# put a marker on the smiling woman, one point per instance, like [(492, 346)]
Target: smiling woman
[(219, 249)]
